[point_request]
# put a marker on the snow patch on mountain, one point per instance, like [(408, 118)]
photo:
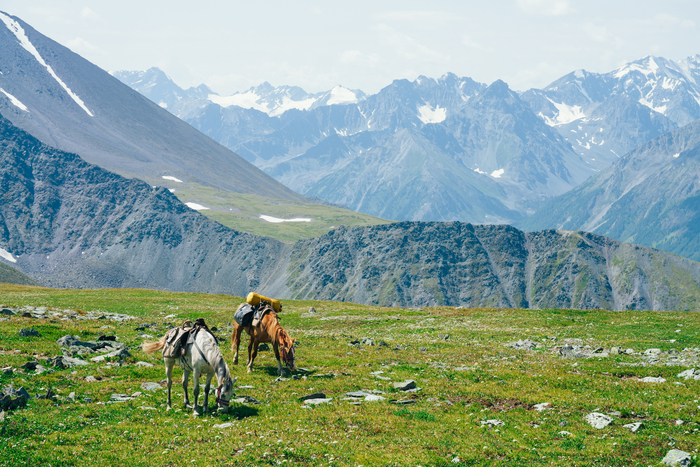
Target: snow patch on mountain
[(660, 109), (427, 114), (648, 68), (289, 104), (498, 173), (277, 220), (23, 40), (246, 100), (565, 114), (251, 100), (341, 95), (14, 100), (171, 178), (196, 207), (6, 255)]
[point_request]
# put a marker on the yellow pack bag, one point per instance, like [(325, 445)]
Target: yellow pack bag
[(255, 299)]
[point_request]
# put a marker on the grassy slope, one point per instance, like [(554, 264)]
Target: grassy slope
[(501, 383), (10, 275), (242, 212)]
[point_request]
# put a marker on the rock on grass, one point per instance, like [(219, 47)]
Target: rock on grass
[(598, 420), (677, 457)]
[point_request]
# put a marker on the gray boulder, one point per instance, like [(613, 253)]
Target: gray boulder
[(692, 373), (121, 354), (572, 351), (405, 385), (526, 344), (598, 420), (317, 395), (246, 400), (652, 379), (150, 386), (30, 332), (63, 362), (633, 427), (677, 457)]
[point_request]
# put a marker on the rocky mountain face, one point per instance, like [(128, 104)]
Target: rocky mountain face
[(67, 223), (604, 116), (650, 197), (461, 264), (69, 103)]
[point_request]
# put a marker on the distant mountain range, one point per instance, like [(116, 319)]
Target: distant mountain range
[(67, 223), (274, 101), (604, 116), (446, 149), (650, 197), (71, 104)]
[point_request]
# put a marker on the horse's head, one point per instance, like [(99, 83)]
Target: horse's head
[(224, 392), (286, 345)]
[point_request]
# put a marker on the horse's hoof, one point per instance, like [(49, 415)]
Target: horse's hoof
[(168, 409), (188, 406), (195, 414)]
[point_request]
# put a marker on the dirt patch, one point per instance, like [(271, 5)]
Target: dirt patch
[(502, 405)]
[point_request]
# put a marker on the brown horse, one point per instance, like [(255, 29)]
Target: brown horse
[(269, 330)]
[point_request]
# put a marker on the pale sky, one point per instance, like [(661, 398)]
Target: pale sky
[(232, 45)]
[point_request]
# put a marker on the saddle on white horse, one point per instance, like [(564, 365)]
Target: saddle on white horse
[(177, 339)]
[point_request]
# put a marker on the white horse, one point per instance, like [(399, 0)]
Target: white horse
[(201, 357)]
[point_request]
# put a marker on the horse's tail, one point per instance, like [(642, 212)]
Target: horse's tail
[(153, 347)]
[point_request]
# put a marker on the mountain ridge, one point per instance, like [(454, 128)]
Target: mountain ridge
[(69, 103), (68, 223)]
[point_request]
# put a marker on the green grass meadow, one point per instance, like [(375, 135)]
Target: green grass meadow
[(456, 356)]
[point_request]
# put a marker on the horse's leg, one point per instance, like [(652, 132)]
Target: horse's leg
[(195, 374), (169, 375), (277, 356), (251, 357), (236, 341), (185, 379), (207, 385)]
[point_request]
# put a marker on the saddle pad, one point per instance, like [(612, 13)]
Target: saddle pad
[(244, 315)]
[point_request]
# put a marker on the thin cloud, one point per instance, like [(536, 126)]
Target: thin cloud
[(81, 45), (545, 7), (89, 15), (415, 15), (472, 44), (355, 56)]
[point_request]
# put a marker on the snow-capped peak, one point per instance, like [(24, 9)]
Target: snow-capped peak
[(26, 44)]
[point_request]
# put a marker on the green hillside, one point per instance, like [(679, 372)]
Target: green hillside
[(10, 275), (242, 212), (477, 403)]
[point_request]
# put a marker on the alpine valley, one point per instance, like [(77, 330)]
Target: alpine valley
[(87, 166)]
